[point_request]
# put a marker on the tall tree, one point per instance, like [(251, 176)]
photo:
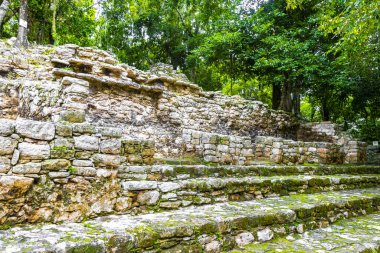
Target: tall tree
[(3, 10), (54, 6), (22, 35)]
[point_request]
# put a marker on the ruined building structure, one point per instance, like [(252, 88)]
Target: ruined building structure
[(114, 159)]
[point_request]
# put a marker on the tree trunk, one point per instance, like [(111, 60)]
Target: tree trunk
[(3, 9), (276, 96), (325, 111), (296, 104), (22, 35), (54, 19), (285, 103)]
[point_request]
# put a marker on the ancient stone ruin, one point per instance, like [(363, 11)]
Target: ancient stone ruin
[(112, 159)]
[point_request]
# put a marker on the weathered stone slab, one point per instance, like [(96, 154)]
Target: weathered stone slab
[(7, 145), (230, 221), (34, 151), (5, 164), (139, 185), (55, 164), (148, 197), (111, 146), (27, 168), (35, 129), (60, 174), (106, 160), (84, 171), (86, 142), (7, 127), (169, 186)]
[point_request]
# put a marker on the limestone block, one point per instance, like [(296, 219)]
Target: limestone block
[(76, 86), (139, 185), (170, 204), (65, 52), (73, 116), (5, 164), (83, 163), (209, 152), (123, 204), (112, 161), (15, 157), (112, 132), (83, 128), (12, 187), (86, 142), (210, 146), (148, 198), (35, 129), (7, 127), (34, 151), (111, 146), (246, 152), (213, 246), (64, 129), (243, 239), (7, 145), (265, 235), (60, 174), (135, 158), (105, 173), (168, 186), (84, 171), (212, 159), (55, 164), (28, 168), (169, 196), (222, 148)]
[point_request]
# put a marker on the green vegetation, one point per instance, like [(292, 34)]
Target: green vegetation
[(317, 59)]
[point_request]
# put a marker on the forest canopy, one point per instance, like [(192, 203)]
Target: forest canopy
[(317, 59)]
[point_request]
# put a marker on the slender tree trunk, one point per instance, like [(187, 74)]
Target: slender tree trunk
[(54, 19), (3, 9), (285, 103), (325, 111), (22, 35), (296, 104), (276, 96)]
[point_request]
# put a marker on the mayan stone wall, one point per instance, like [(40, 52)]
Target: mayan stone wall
[(82, 136), (88, 85), (63, 171)]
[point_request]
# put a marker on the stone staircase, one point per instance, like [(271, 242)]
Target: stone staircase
[(221, 208)]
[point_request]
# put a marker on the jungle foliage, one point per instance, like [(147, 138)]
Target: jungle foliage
[(319, 59)]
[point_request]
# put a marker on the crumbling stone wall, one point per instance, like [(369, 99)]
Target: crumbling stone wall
[(280, 150), (288, 151), (217, 148), (79, 134), (318, 132), (88, 85), (55, 172)]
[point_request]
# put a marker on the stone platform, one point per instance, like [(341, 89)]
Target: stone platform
[(211, 228)]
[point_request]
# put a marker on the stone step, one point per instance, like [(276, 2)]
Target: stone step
[(174, 172), (357, 235), (153, 195), (210, 228)]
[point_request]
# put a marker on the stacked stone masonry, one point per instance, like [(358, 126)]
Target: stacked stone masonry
[(83, 136), (288, 151), (48, 168)]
